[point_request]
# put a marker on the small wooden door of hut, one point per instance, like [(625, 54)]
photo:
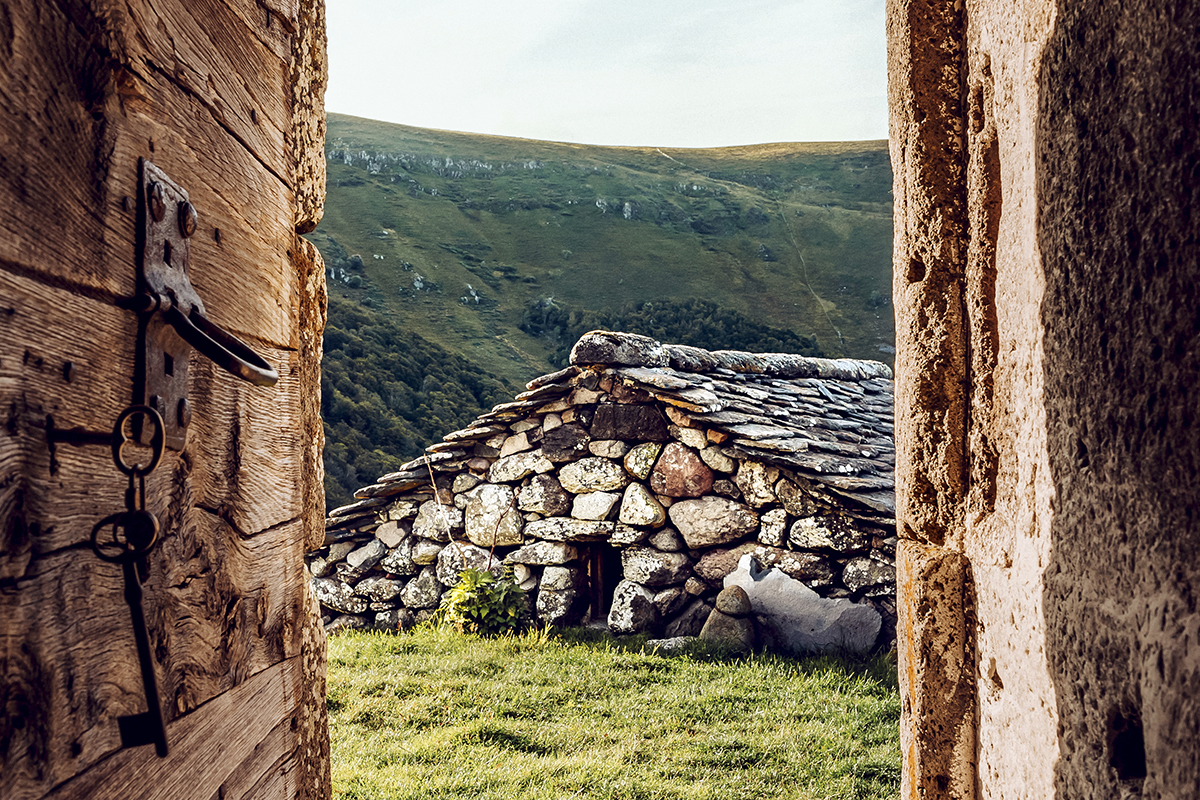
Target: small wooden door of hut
[(225, 98)]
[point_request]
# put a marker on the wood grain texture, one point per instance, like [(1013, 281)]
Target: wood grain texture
[(68, 168), (246, 451), (218, 612), (208, 746), (86, 88)]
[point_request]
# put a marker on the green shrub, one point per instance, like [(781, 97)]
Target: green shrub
[(479, 603)]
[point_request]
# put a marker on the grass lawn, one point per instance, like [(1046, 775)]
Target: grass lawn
[(436, 714)]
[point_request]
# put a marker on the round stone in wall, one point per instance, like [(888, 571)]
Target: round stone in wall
[(709, 521), (593, 475), (491, 518), (639, 507), (680, 473), (640, 460)]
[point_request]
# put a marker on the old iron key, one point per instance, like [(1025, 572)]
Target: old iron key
[(134, 532)]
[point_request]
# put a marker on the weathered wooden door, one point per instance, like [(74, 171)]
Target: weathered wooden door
[(224, 96)]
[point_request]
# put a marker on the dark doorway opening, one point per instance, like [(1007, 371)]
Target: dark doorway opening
[(604, 573)]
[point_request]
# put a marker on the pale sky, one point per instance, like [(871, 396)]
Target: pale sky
[(678, 73)]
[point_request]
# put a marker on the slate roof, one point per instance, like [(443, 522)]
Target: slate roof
[(827, 420)]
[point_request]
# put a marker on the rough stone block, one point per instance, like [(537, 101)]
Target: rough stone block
[(594, 505), (639, 507), (651, 567), (593, 475), (636, 423), (639, 461), (709, 521), (679, 472), (632, 610), (798, 621)]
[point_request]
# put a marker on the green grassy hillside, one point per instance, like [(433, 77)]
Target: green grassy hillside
[(500, 251)]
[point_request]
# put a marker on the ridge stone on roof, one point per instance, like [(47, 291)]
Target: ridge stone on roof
[(607, 348)]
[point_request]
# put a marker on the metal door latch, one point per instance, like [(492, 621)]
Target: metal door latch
[(171, 318)]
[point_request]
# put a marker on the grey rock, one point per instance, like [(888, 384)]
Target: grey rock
[(592, 475), (348, 574), (734, 601), (735, 633), (709, 521), (796, 620), (423, 615), (691, 621), (630, 422), (608, 448), (624, 535), (402, 509), (520, 573), (565, 443), (602, 347), (395, 619), (368, 555), (828, 532), (558, 578), (668, 540), (465, 482), (566, 529), (339, 550), (668, 647), (798, 501), (716, 460), (543, 553), (391, 533), (423, 591), (319, 567), (692, 437), (347, 622), (516, 443), (726, 489), (639, 461), (437, 522), (670, 601), (861, 573), (773, 528), (651, 567), (377, 589), (543, 494), (756, 481), (633, 609), (425, 552), (459, 556), (491, 516), (334, 594), (594, 505), (515, 467), (639, 507), (560, 607), (399, 560)]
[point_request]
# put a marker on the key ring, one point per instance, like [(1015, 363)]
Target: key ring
[(121, 551), (157, 440)]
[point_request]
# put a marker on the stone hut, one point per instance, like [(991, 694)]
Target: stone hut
[(625, 487)]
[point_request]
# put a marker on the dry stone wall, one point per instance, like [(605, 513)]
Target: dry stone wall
[(682, 460)]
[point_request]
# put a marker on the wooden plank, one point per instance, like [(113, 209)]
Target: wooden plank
[(219, 609), (207, 745), (266, 772), (245, 446), (76, 123), (211, 53)]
